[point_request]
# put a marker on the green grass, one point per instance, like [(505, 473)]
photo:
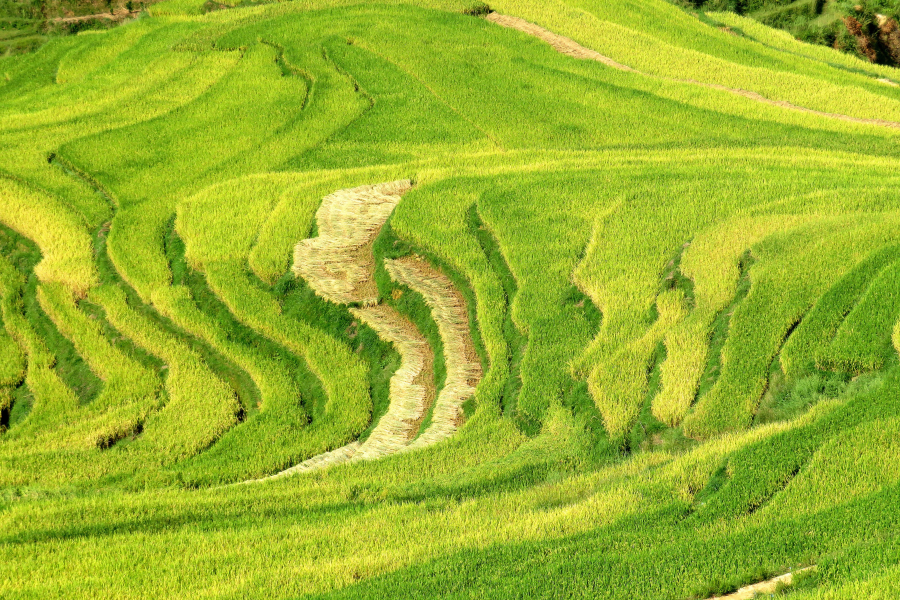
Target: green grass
[(719, 330), (682, 299), (516, 340)]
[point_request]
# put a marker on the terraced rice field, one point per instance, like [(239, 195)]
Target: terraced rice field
[(335, 299)]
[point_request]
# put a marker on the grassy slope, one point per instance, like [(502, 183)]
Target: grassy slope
[(587, 180)]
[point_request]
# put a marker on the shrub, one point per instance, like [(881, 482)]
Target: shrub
[(478, 9)]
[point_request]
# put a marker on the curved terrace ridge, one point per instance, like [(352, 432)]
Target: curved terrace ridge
[(572, 48)]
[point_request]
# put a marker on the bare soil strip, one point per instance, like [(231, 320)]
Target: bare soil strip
[(559, 43), (338, 265), (572, 48), (463, 366), (120, 14), (763, 587)]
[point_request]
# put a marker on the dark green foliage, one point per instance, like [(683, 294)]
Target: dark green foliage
[(22, 403), (22, 26), (868, 29), (26, 25), (786, 401), (477, 9), (789, 15)]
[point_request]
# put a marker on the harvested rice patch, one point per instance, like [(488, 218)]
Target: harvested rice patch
[(319, 461), (412, 387), (339, 264), (463, 366)]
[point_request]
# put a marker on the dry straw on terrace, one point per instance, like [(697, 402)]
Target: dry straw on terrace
[(339, 264), (463, 367), (340, 267), (412, 386), (412, 392), (321, 461)]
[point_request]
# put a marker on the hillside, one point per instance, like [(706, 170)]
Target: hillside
[(867, 29), (25, 25), (337, 299)]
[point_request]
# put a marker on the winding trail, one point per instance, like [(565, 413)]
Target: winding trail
[(559, 43), (572, 48), (340, 267), (763, 587)]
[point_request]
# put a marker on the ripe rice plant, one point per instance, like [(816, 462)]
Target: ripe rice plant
[(766, 318), (809, 343), (857, 462), (199, 407), (636, 343), (130, 392), (51, 395), (65, 244), (862, 342), (342, 375), (712, 263)]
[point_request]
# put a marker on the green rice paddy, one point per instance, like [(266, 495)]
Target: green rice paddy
[(681, 283)]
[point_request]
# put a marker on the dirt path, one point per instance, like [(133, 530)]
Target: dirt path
[(763, 587), (572, 48), (559, 43), (463, 365), (785, 104), (119, 15)]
